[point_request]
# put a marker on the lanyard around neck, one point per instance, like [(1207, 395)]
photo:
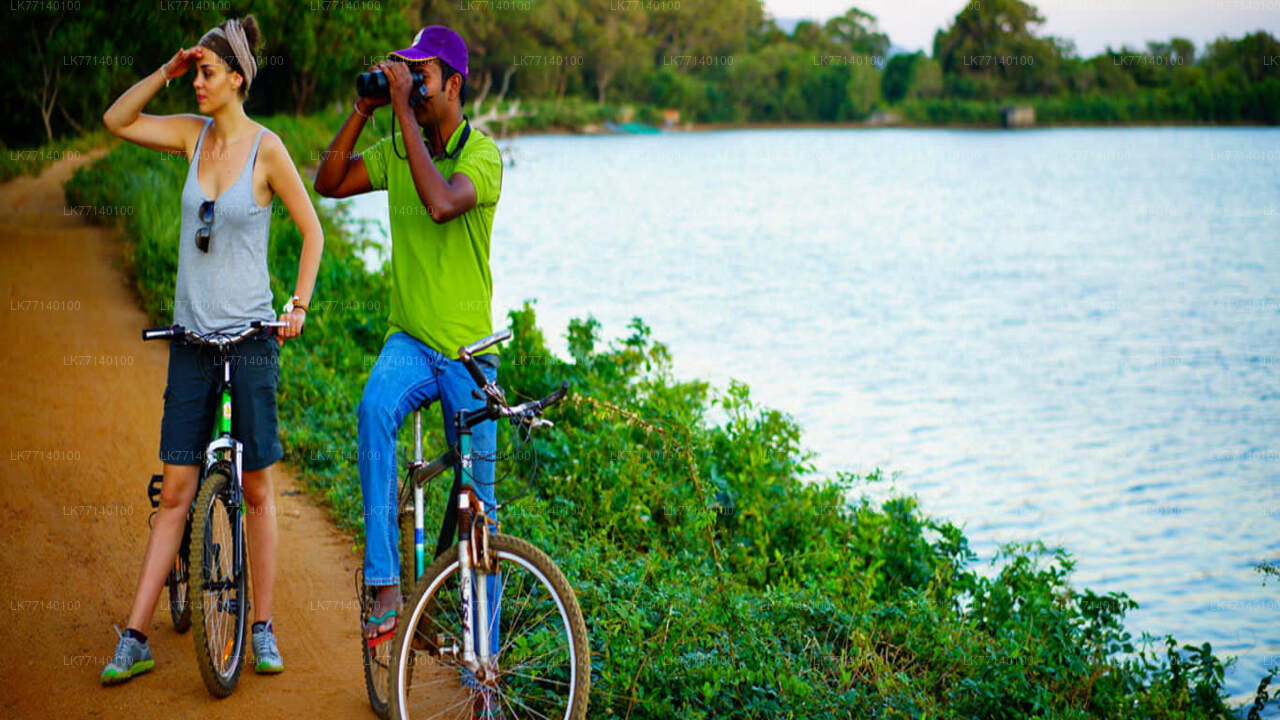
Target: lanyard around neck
[(445, 154)]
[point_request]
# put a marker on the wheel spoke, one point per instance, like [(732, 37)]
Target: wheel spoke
[(523, 705), (535, 678), (461, 705), (513, 635)]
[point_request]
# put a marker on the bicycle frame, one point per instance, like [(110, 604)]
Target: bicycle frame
[(459, 517)]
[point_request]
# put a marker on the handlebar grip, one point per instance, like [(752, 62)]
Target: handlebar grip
[(483, 344), (554, 397), (161, 332)]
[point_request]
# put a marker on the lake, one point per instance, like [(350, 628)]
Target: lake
[(1068, 334)]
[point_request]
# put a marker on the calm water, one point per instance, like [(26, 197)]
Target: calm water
[(1071, 335)]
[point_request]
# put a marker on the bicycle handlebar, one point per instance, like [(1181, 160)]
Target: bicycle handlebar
[(176, 331), (486, 343), (495, 403), (533, 408)]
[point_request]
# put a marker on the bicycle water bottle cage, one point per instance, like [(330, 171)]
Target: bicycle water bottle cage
[(153, 490)]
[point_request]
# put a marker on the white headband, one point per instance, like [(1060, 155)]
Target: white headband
[(240, 46)]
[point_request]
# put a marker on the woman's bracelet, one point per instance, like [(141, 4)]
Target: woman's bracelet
[(355, 105)]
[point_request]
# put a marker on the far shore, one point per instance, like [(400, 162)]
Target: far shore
[(718, 127)]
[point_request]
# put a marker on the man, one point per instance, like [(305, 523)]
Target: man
[(441, 195)]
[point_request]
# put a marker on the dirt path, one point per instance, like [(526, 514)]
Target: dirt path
[(80, 429)]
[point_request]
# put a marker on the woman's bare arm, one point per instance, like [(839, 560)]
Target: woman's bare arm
[(167, 133), (283, 177)]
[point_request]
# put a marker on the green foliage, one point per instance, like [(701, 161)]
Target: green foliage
[(719, 578), (317, 49), (575, 63), (33, 160), (991, 45), (74, 60), (914, 75), (66, 64)]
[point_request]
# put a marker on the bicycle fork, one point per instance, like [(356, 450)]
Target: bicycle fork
[(224, 450), (475, 654)]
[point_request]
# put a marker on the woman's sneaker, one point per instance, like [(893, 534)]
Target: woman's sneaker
[(265, 652), (133, 657)]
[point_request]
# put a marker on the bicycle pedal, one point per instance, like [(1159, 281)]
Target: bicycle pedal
[(153, 490)]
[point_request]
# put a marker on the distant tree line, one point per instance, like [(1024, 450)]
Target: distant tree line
[(714, 60)]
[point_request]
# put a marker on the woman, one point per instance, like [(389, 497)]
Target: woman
[(236, 169)]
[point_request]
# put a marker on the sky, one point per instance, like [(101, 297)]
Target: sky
[(1092, 24)]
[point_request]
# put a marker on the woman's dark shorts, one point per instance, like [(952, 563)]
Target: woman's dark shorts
[(191, 401)]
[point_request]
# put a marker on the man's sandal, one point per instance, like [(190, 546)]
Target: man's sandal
[(383, 634)]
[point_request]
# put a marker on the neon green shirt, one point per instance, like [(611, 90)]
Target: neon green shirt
[(441, 287)]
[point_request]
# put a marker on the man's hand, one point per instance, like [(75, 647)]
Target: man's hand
[(368, 104), (400, 81)]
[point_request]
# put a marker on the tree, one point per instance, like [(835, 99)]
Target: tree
[(994, 45), (615, 43), (913, 75), (45, 93), (857, 33), (323, 48)]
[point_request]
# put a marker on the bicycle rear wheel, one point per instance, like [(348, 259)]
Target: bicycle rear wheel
[(542, 663), (178, 582), (218, 597)]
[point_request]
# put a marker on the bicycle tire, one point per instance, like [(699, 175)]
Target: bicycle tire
[(377, 661), (210, 560), (179, 582), (428, 605)]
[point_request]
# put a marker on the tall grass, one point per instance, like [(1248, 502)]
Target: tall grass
[(15, 162)]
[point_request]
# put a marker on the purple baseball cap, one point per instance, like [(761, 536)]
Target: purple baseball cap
[(437, 42)]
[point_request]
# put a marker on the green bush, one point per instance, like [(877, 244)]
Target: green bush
[(715, 580), (33, 160)]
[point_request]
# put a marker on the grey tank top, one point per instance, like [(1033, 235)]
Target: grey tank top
[(229, 286)]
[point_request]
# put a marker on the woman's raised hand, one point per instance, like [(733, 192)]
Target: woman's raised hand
[(178, 64)]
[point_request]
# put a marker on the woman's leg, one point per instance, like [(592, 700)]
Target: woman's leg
[(176, 495), (260, 525)]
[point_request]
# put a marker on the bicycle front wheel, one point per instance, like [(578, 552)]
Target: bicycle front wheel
[(542, 665), (218, 597)]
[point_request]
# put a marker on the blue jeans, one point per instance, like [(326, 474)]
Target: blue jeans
[(409, 374)]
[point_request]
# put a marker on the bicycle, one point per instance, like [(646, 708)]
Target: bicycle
[(437, 650), (210, 577)]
